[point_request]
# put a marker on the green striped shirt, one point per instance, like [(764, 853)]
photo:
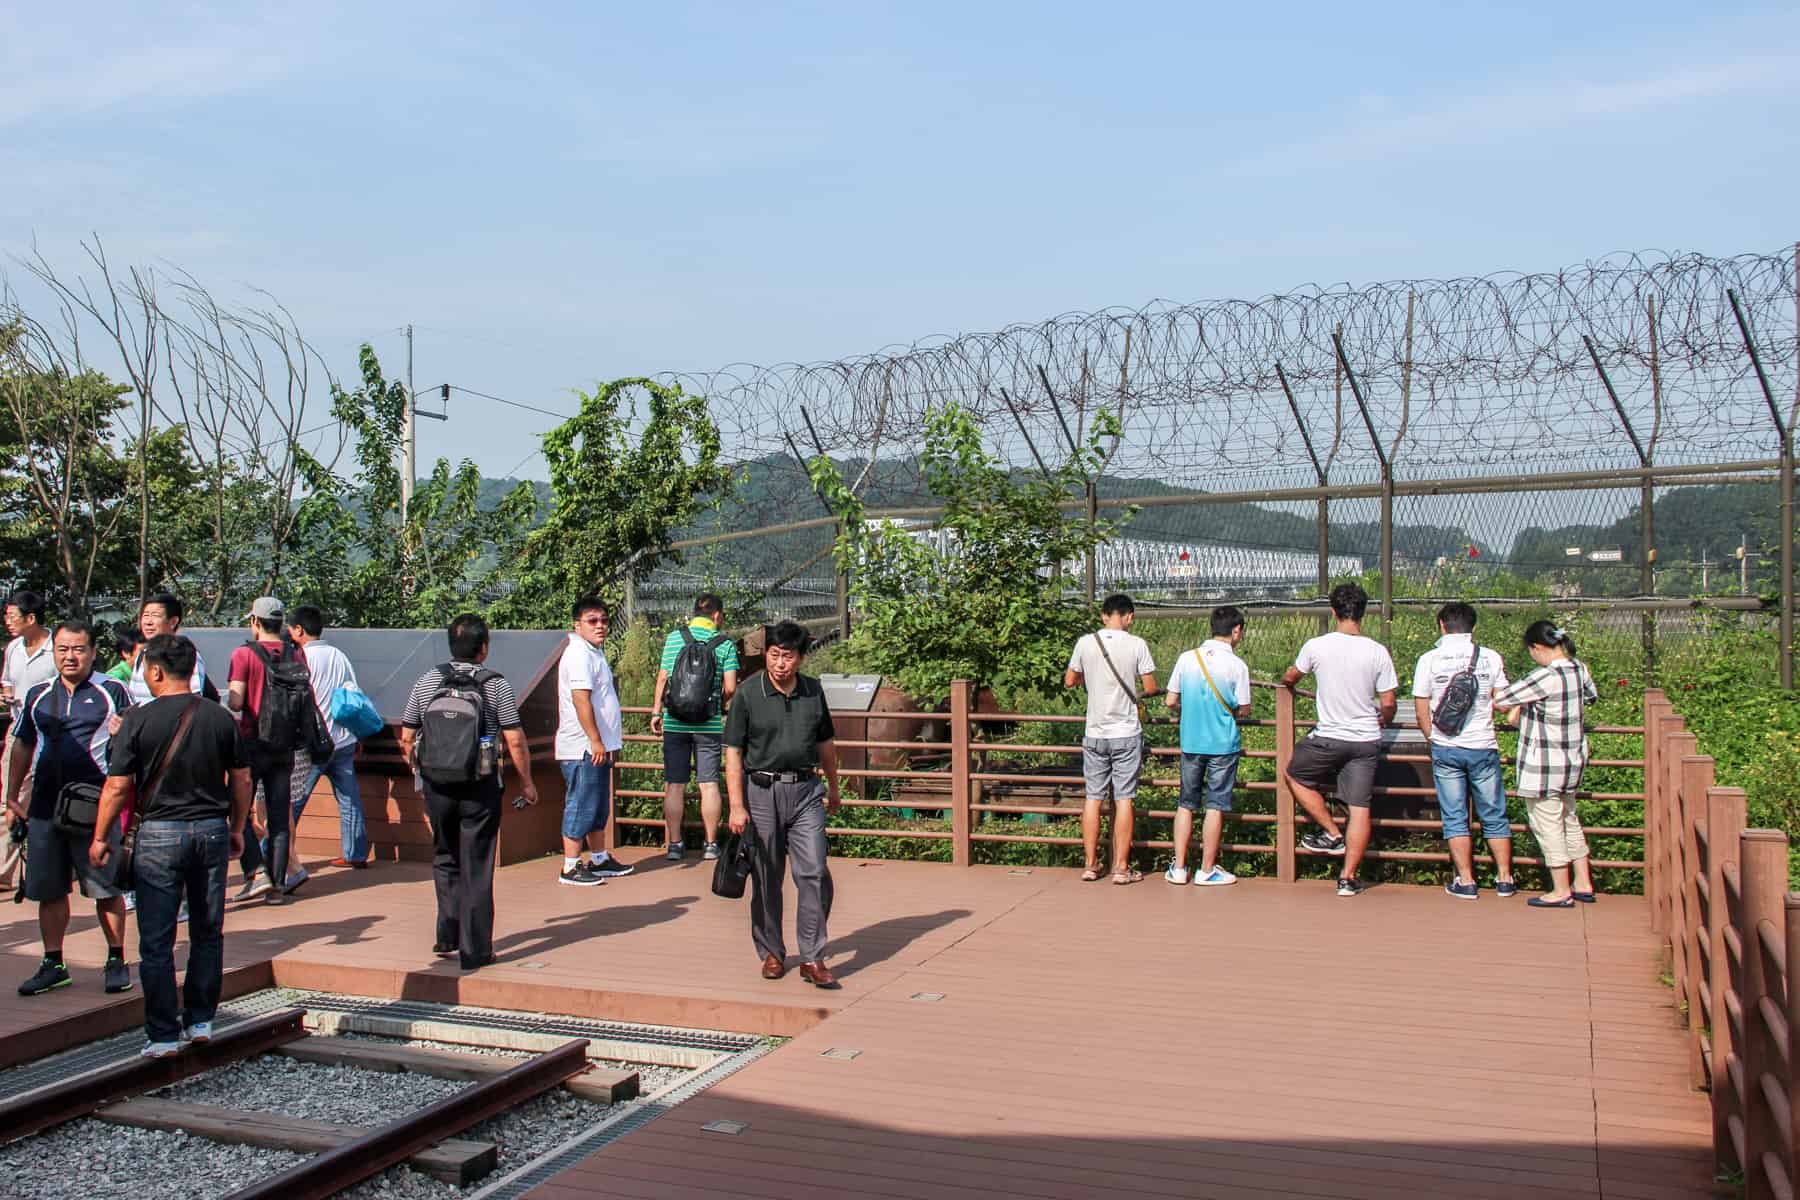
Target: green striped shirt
[(724, 652)]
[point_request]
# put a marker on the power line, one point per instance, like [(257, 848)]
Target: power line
[(457, 387)]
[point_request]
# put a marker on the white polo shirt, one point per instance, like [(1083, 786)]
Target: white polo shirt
[(584, 668), (24, 669)]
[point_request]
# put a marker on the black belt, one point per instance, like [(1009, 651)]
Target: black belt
[(771, 778)]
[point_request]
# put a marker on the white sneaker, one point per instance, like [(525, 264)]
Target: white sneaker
[(160, 1049), (199, 1031), (1176, 874), (130, 901), (1217, 877)]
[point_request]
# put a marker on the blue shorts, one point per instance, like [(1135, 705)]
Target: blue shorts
[(1470, 776), (1207, 781), (587, 799)]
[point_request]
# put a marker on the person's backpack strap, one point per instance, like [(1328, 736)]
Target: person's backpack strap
[(1217, 694), (687, 635)]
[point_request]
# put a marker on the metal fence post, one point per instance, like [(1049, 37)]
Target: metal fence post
[(1284, 793), (960, 770)]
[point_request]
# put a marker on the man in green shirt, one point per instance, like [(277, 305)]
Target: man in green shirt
[(691, 748)]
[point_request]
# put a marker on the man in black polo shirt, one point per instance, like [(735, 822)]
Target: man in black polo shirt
[(61, 739), (179, 763), (780, 734)]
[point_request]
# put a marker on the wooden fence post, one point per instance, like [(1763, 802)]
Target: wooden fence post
[(960, 770), (1696, 777), (1762, 866), (1668, 783), (1674, 862), (1724, 825), (1284, 793), (1653, 701), (1791, 915)]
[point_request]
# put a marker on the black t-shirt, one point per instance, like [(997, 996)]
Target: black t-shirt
[(777, 732), (196, 786)]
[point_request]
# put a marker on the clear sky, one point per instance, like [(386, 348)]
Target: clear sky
[(571, 192)]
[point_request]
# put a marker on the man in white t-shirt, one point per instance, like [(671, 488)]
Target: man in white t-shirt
[(590, 729), (26, 662), (1356, 686), (1118, 672), (1465, 762), (330, 670), (161, 614)]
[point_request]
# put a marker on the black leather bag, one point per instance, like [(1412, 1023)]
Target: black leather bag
[(78, 810), (732, 870)]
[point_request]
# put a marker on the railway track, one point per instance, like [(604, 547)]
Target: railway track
[(481, 1066)]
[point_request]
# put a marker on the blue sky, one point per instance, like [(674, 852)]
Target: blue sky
[(579, 191)]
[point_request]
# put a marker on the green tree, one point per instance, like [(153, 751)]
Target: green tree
[(618, 490), (978, 597), (353, 555)]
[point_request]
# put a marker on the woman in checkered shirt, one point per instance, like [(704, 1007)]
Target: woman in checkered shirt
[(1548, 705)]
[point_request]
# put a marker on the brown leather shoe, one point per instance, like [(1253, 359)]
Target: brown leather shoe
[(818, 974), (774, 967)]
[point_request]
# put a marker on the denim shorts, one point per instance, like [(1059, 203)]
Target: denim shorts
[(587, 797), (1207, 781), (692, 756), (1112, 761), (1470, 776)]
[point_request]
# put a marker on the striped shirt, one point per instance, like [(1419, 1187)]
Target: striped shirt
[(725, 658), (1553, 749), (499, 708)]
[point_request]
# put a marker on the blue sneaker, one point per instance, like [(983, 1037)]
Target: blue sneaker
[(1217, 877), (1461, 890), (1176, 874), (1505, 887)]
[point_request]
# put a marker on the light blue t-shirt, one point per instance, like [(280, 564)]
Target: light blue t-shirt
[(1208, 727)]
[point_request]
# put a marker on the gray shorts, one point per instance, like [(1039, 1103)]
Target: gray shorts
[(692, 756), (53, 860), (1113, 761)]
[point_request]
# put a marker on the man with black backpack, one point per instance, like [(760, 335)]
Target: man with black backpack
[(450, 732), (1453, 694), (270, 689), (698, 678)]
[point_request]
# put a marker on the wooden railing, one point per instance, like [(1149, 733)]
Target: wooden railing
[(1719, 895), (964, 780)]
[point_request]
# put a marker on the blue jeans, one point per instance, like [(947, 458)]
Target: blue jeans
[(1207, 781), (1465, 776), (587, 800), (353, 831), (176, 861)]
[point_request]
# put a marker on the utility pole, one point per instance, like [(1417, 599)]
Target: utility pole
[(409, 436)]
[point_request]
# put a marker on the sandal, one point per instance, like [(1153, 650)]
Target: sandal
[(1124, 877), (1090, 873)]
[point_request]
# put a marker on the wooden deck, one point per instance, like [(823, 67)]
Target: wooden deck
[(1266, 1040)]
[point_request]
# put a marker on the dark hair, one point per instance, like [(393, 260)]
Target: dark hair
[(126, 639), (587, 604), (708, 605), (171, 652), (28, 602), (309, 619), (1116, 604), (273, 626), (168, 602), (468, 634), (789, 635), (77, 625), (1226, 618), (1349, 602), (1549, 633), (1457, 617)]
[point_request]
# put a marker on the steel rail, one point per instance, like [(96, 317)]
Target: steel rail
[(53, 1104), (326, 1174)]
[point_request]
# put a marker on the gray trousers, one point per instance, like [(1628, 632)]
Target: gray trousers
[(790, 824)]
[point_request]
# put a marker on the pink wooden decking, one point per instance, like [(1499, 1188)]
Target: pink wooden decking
[(1263, 1040)]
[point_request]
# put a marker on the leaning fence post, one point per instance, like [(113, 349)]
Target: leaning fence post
[(1762, 866), (1284, 792), (960, 770), (1724, 825), (1696, 777)]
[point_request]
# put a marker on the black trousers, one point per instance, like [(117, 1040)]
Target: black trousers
[(274, 774), (465, 828)]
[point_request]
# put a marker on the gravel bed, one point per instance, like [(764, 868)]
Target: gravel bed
[(651, 1077), (84, 1159), (343, 1095)]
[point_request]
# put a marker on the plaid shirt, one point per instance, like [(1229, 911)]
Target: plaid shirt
[(1553, 748)]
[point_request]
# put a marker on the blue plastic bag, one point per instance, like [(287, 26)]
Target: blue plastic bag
[(352, 709)]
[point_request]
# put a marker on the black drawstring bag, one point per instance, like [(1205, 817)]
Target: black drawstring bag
[(732, 870)]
